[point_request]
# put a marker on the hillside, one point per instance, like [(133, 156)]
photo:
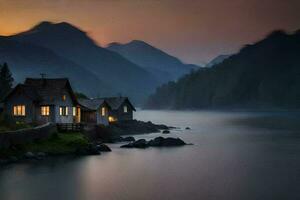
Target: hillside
[(164, 66), (73, 44), (265, 74), (27, 60), (217, 60)]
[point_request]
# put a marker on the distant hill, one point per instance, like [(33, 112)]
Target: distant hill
[(164, 66), (27, 60), (262, 75), (217, 60), (71, 43)]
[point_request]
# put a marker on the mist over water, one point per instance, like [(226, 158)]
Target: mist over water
[(236, 155)]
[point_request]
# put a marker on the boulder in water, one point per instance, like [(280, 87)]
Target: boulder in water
[(103, 148)]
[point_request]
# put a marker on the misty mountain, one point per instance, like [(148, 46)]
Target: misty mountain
[(27, 60), (164, 66), (217, 60), (262, 75), (69, 42)]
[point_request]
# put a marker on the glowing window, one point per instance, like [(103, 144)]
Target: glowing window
[(64, 97), (103, 111), (19, 110), (111, 119), (125, 109), (45, 110), (63, 111), (74, 111)]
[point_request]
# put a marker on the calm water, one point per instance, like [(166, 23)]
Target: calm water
[(236, 155)]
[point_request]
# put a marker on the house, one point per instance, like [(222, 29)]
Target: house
[(43, 100), (106, 110)]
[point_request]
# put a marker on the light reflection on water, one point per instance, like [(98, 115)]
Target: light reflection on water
[(236, 155)]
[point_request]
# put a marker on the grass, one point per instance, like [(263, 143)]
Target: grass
[(58, 144), (8, 124)]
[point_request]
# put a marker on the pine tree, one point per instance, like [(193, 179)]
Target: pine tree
[(6, 81)]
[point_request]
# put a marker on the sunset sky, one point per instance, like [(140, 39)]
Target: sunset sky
[(193, 30)]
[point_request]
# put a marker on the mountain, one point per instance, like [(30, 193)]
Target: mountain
[(262, 75), (27, 60), (71, 43), (164, 66), (217, 60)]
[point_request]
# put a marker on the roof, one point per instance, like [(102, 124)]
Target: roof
[(113, 102), (116, 102), (43, 90), (92, 104)]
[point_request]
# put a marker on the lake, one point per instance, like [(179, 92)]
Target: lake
[(236, 155)]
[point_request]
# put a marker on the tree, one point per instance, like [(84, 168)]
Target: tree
[(6, 81)]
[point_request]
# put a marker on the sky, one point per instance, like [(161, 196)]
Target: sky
[(195, 31)]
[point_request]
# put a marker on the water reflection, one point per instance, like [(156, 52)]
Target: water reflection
[(236, 156)]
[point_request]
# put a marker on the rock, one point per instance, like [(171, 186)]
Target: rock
[(187, 128), (128, 139), (29, 155), (141, 143), (156, 142), (89, 150), (41, 154), (166, 132), (130, 145), (172, 142), (163, 142), (103, 147)]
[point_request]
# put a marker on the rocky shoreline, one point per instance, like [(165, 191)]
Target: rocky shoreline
[(83, 145)]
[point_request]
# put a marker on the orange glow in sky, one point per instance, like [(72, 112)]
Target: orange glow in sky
[(193, 30)]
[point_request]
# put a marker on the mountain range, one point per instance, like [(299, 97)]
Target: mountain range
[(64, 50), (162, 65), (265, 74)]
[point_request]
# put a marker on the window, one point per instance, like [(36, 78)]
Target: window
[(125, 109), (45, 110), (64, 97), (111, 119), (103, 111), (19, 110), (74, 111), (63, 111)]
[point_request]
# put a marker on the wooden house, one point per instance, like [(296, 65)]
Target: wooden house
[(43, 100), (107, 110)]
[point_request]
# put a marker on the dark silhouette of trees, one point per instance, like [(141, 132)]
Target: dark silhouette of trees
[(6, 80), (262, 75)]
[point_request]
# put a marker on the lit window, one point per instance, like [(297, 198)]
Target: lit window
[(63, 111), (111, 119), (64, 97), (45, 110), (125, 109), (103, 111), (74, 111), (19, 110)]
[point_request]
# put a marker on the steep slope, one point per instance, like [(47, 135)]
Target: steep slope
[(70, 42), (217, 60), (164, 66), (26, 60), (263, 75)]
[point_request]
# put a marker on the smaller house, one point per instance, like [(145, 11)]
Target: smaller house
[(43, 100), (106, 110)]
